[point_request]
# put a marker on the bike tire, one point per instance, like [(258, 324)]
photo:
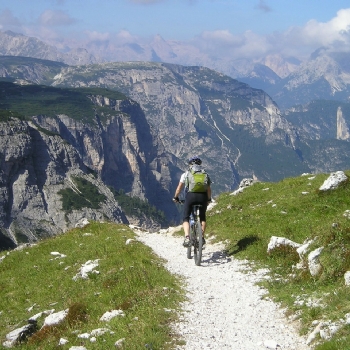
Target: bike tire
[(198, 243), (189, 248)]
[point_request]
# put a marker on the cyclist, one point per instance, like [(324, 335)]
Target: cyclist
[(192, 198)]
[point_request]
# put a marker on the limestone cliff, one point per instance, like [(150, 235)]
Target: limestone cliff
[(57, 170), (35, 166), (342, 127), (195, 110)]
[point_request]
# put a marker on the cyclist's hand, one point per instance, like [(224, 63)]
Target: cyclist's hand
[(176, 199)]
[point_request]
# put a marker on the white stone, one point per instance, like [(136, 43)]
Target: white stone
[(347, 278), (99, 331), (107, 316), (13, 336), (86, 268), (333, 181), (281, 241), (314, 333), (328, 331), (81, 223), (234, 193), (347, 213), (314, 263), (84, 336), (130, 240), (119, 343), (55, 318), (63, 341), (303, 248)]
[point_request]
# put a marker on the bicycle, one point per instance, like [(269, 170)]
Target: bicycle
[(196, 235)]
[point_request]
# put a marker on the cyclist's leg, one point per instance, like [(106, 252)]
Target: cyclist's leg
[(202, 212), (204, 226), (186, 227), (186, 215)]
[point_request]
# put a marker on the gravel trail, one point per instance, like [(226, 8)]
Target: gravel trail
[(225, 309)]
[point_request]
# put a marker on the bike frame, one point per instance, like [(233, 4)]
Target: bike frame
[(196, 235)]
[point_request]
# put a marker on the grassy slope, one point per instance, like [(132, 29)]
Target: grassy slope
[(131, 278), (30, 100), (249, 219)]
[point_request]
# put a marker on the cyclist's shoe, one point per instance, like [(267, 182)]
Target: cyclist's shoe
[(186, 242)]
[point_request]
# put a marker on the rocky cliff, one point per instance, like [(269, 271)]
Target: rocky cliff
[(195, 110), (58, 170), (35, 167)]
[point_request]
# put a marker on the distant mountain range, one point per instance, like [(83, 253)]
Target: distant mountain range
[(14, 44), (290, 82)]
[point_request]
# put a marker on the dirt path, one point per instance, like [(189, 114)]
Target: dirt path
[(225, 309)]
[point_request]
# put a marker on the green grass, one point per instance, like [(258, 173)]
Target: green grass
[(248, 220), (86, 195), (29, 100), (138, 207), (131, 278)]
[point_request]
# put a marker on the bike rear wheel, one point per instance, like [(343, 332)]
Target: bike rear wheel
[(189, 248), (198, 243)]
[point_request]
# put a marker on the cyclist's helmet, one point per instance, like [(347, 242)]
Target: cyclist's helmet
[(195, 160)]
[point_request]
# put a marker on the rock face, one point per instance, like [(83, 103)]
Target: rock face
[(195, 110), (43, 162), (35, 166)]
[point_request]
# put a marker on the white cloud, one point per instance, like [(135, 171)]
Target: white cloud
[(223, 43), (97, 36), (55, 18), (337, 29), (296, 41)]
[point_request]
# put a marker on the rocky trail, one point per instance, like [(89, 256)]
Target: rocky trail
[(225, 308)]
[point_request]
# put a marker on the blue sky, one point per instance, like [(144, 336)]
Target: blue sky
[(247, 27)]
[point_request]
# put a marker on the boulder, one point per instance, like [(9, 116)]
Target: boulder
[(315, 266), (333, 181), (276, 242)]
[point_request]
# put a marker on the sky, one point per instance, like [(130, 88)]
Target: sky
[(233, 27)]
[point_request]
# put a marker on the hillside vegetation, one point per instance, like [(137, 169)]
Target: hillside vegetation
[(296, 209), (130, 278), (31, 100)]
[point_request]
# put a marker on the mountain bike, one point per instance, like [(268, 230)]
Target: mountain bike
[(196, 236)]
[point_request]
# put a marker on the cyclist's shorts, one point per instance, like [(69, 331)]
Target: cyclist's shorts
[(193, 198)]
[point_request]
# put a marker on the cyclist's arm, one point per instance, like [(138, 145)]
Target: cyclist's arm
[(179, 188)]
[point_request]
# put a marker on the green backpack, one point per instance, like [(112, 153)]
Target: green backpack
[(197, 180)]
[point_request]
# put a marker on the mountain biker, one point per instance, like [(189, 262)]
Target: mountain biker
[(192, 198)]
